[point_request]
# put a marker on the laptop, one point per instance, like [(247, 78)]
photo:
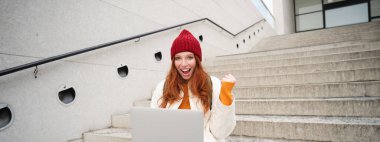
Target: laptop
[(166, 125)]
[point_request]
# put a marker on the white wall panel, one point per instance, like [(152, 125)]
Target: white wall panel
[(46, 28), (31, 30)]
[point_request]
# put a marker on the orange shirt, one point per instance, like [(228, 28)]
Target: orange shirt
[(225, 96), (185, 101)]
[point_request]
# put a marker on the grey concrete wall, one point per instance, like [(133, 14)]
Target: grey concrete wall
[(31, 30)]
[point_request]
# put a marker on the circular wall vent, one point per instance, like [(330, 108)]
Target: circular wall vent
[(201, 38), (6, 116), (158, 56), (67, 96), (123, 71)]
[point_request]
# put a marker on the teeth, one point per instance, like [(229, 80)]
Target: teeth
[(186, 70)]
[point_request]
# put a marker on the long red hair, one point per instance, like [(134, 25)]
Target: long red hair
[(198, 84)]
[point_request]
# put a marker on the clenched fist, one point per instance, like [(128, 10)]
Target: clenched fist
[(229, 78)]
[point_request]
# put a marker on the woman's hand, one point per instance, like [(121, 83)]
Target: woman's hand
[(229, 78), (228, 82)]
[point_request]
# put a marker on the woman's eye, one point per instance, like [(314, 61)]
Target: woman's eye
[(177, 58), (191, 57)]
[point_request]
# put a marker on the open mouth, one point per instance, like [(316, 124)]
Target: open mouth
[(186, 72)]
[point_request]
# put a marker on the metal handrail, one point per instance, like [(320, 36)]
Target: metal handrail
[(72, 53)]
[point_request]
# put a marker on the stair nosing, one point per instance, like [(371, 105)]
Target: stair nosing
[(295, 66), (291, 85), (309, 99), (357, 43), (287, 118), (335, 54), (376, 68)]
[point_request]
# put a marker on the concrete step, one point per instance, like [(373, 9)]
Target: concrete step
[(296, 61), (360, 106), (108, 135), (255, 139), (369, 74), (345, 89), (289, 42), (312, 128), (121, 121), (76, 140), (124, 120), (142, 103), (296, 53), (318, 37), (305, 68)]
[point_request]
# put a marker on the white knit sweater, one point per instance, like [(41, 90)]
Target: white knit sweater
[(219, 122)]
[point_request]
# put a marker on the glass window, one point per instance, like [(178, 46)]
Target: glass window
[(309, 21), (306, 6), (375, 8), (347, 15), (331, 1)]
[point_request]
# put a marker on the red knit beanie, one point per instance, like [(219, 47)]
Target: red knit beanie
[(186, 42)]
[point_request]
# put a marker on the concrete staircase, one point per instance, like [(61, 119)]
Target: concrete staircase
[(118, 132), (313, 86), (304, 91)]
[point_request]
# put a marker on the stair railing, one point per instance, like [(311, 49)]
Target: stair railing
[(88, 49)]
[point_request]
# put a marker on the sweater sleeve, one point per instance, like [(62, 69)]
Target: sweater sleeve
[(226, 97), (222, 120)]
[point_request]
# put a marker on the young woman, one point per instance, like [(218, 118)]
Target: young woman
[(188, 86)]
